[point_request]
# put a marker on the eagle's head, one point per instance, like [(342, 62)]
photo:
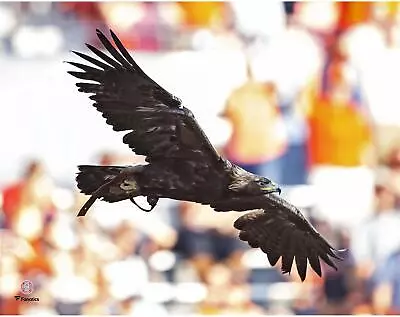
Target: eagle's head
[(265, 186), (251, 184)]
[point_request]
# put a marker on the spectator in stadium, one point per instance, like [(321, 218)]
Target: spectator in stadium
[(272, 62), (386, 286), (379, 237), (339, 140), (376, 34), (27, 204), (259, 137)]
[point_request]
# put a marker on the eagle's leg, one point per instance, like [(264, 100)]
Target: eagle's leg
[(150, 199), (96, 194)]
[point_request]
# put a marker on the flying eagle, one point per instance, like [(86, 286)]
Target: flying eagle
[(182, 163)]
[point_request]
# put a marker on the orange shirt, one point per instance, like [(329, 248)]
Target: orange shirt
[(352, 13), (201, 14), (258, 130), (338, 134), (356, 12)]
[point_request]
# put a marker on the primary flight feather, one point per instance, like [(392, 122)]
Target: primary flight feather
[(183, 164)]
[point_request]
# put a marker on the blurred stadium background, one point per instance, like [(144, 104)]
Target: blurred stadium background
[(306, 93)]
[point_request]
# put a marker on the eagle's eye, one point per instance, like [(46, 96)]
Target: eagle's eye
[(264, 182)]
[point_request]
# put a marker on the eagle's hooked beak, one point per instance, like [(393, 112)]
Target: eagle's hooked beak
[(272, 188)]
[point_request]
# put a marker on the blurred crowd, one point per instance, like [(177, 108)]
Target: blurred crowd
[(317, 114)]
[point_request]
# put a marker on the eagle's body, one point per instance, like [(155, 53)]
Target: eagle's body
[(174, 179), (167, 179), (182, 163)]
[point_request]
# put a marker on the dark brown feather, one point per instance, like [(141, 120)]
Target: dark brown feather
[(281, 231), (92, 60), (132, 101)]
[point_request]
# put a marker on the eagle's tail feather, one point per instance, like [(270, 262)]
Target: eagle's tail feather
[(95, 180)]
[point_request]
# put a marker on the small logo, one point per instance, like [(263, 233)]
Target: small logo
[(27, 287), (26, 299)]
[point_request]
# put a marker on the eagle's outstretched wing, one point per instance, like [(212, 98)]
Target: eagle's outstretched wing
[(160, 126), (280, 230)]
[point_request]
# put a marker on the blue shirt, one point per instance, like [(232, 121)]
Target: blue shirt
[(389, 272)]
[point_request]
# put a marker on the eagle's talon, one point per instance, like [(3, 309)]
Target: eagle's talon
[(152, 201), (141, 208)]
